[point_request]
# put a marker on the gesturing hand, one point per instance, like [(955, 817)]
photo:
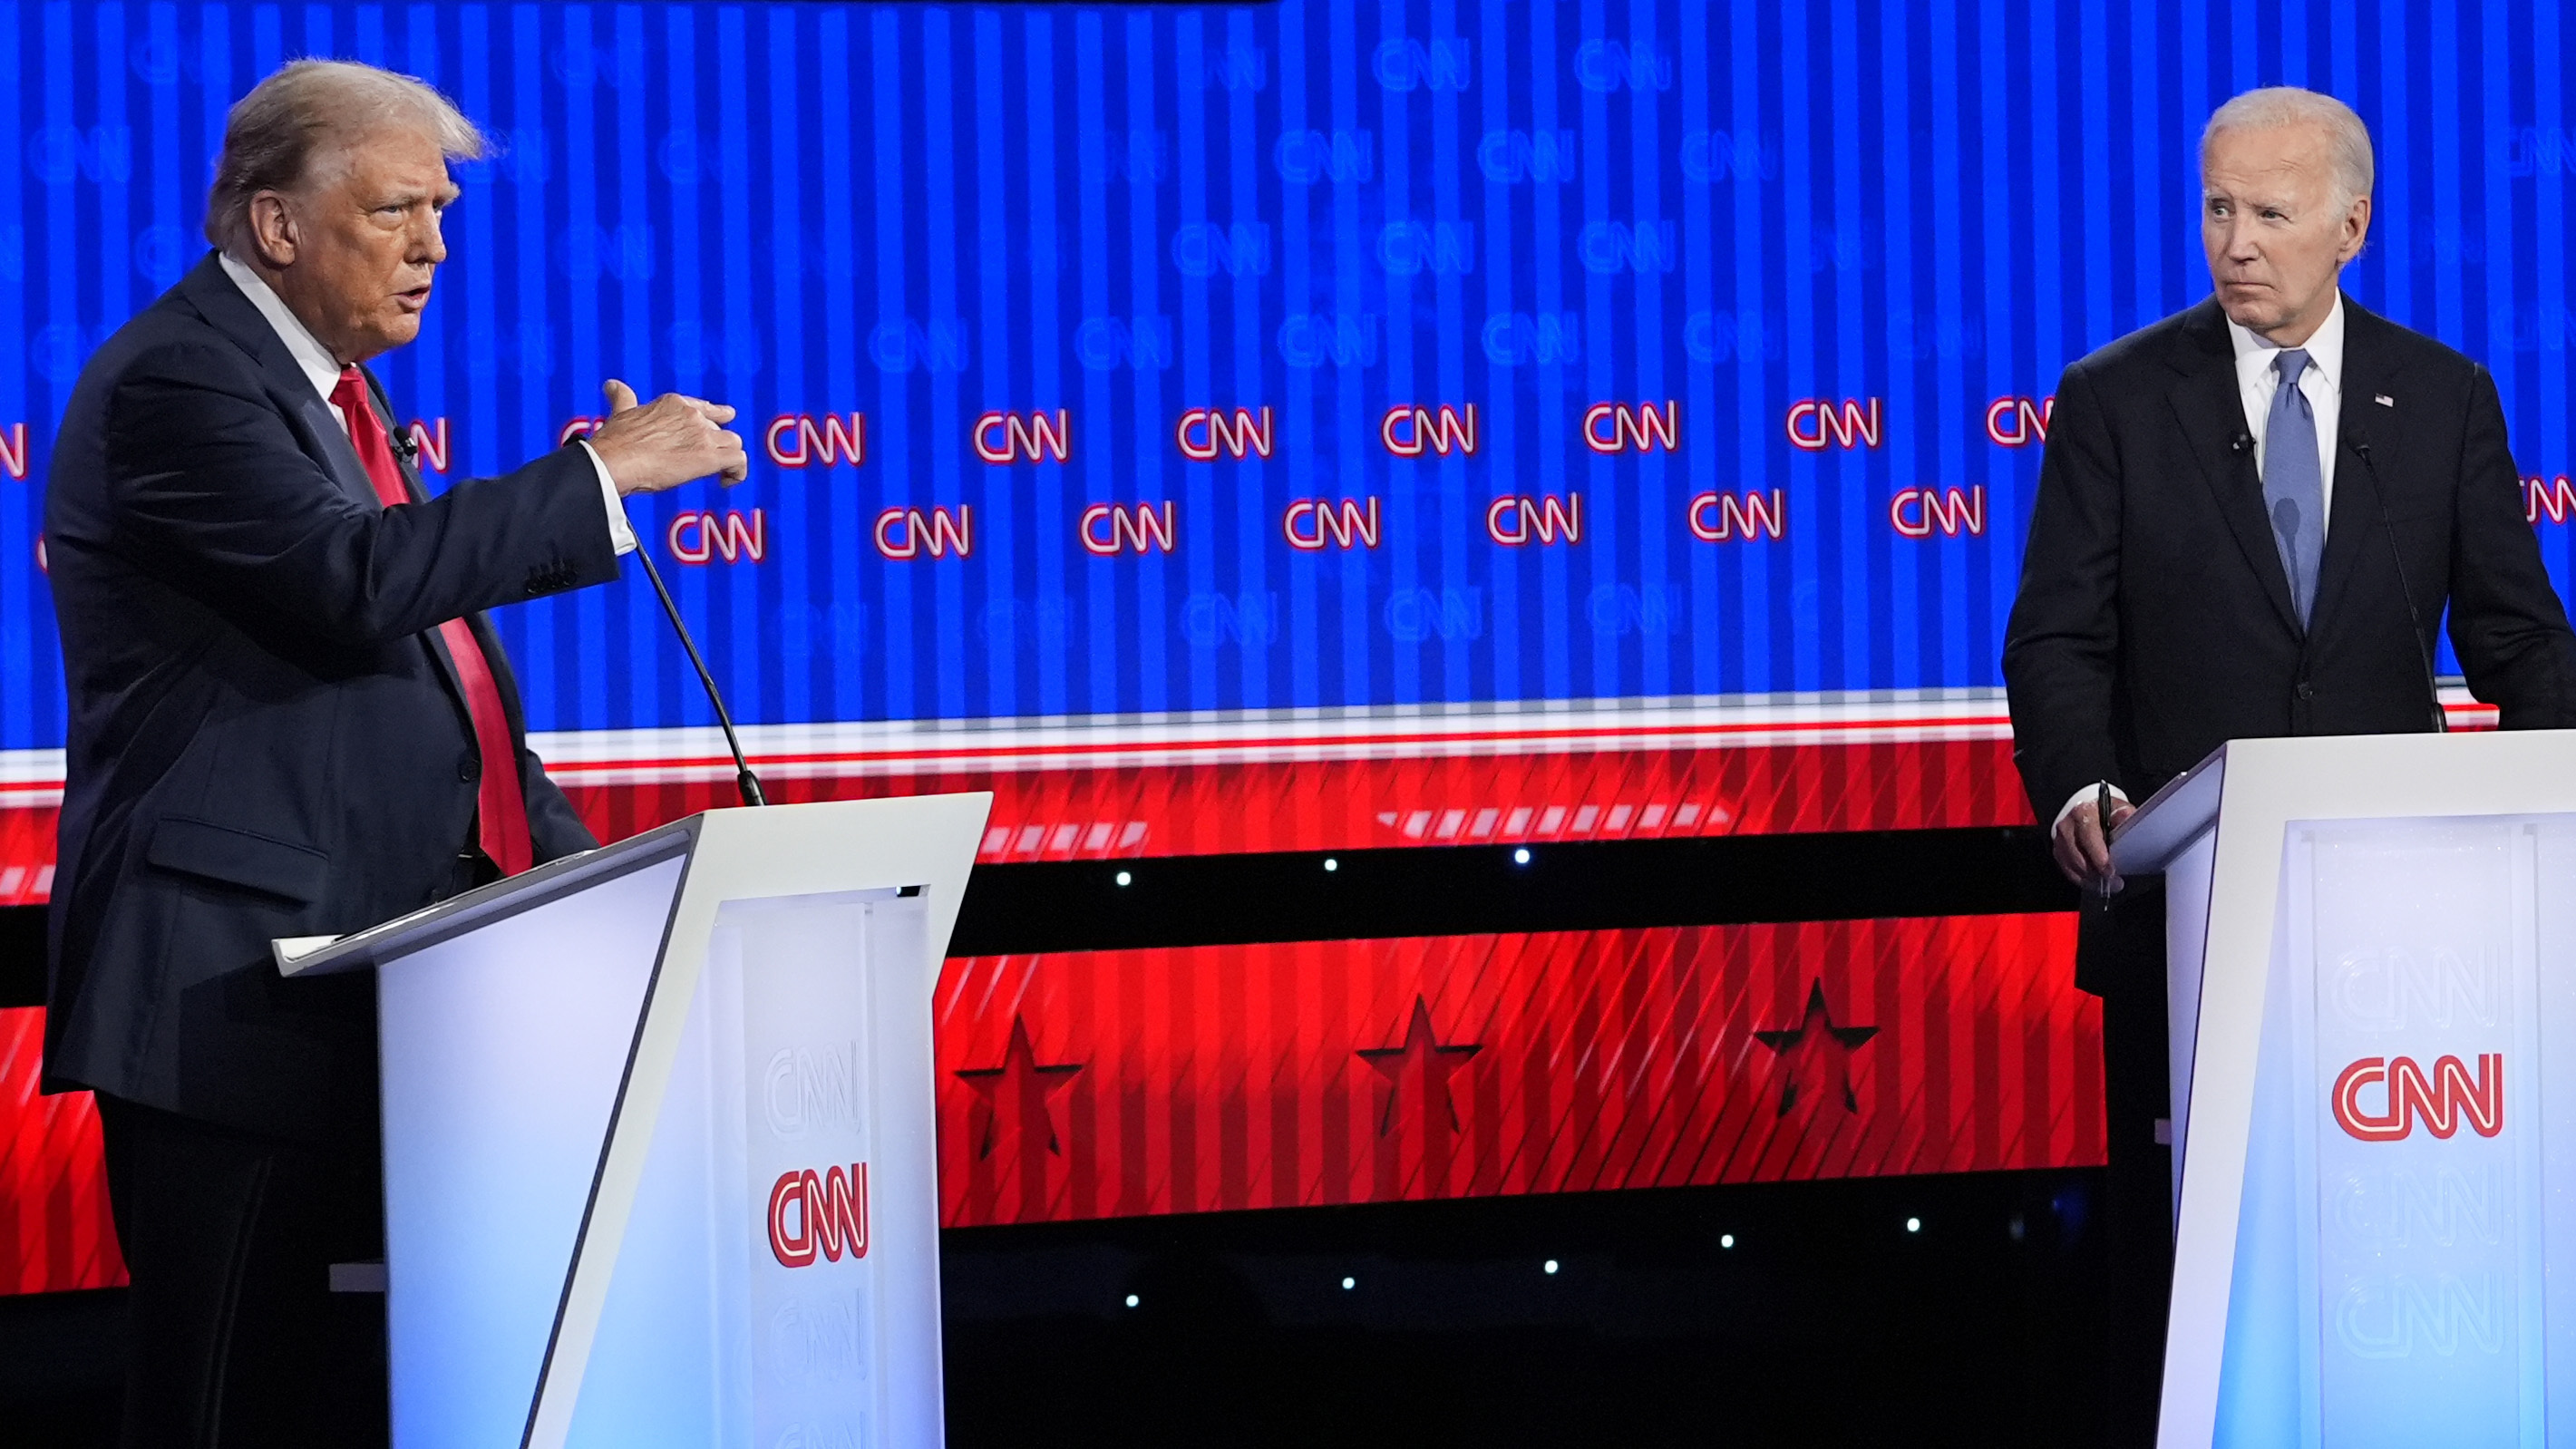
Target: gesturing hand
[(667, 442)]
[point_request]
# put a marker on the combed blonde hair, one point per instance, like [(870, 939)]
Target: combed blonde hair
[(308, 109)]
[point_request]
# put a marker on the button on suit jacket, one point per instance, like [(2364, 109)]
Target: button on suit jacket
[(266, 736)]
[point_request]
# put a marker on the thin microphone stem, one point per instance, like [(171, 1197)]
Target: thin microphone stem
[(744, 780), (2405, 590)]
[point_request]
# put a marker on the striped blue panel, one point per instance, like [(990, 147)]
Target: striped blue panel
[(948, 238)]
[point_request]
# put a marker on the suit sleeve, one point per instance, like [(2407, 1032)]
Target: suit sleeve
[(2061, 647), (2507, 623), (210, 487), (554, 829)]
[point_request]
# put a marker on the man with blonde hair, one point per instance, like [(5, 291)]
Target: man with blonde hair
[(288, 718), (2250, 517)]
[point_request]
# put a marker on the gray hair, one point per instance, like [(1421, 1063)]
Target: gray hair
[(2347, 139), (318, 107)]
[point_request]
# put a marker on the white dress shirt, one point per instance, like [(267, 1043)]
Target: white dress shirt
[(323, 372), (2257, 381), (2321, 383)]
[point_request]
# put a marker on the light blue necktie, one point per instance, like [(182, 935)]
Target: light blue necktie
[(2294, 485)]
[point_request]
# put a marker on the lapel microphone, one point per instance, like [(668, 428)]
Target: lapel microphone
[(2244, 443), (2360, 443)]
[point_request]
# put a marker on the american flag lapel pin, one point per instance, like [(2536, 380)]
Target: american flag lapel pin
[(2383, 399)]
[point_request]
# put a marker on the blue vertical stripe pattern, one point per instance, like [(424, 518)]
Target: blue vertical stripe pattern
[(1270, 267)]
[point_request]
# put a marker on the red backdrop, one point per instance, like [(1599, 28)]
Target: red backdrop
[(1110, 1083)]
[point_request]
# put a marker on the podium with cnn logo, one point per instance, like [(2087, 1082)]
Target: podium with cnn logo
[(2372, 991), (660, 1161)]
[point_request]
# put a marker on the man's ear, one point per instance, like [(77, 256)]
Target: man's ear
[(273, 232), (2356, 222)]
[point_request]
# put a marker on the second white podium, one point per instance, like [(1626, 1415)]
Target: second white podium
[(2372, 989)]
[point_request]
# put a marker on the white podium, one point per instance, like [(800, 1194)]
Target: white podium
[(660, 1161), (2372, 988)]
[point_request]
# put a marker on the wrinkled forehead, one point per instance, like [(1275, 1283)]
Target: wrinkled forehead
[(385, 161), (2252, 160)]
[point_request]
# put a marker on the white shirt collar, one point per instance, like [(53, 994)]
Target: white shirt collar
[(2324, 348), (309, 353)]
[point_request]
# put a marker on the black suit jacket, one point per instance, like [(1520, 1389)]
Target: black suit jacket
[(265, 737), (2154, 621)]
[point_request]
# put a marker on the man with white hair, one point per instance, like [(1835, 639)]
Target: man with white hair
[(2250, 516), (288, 718)]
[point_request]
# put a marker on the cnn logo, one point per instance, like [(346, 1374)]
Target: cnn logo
[(2439, 1101), (825, 1212)]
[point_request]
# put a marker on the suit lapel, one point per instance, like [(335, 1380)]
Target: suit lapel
[(413, 490), (222, 304), (2355, 515), (2211, 412)]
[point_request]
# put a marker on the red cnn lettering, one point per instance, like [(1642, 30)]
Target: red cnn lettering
[(1727, 517), (579, 428), (829, 1212), (1409, 431), (1514, 521), (431, 444), (2539, 496), (1031, 437), (1147, 527), (1919, 512), (908, 533), (13, 451), (2018, 422), (796, 440), (1816, 424), (2440, 1103), (698, 538), (1314, 524), (1206, 434), (1619, 428)]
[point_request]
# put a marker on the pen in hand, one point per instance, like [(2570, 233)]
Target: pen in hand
[(2102, 816)]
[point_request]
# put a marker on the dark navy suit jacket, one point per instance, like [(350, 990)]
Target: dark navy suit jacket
[(265, 737), (2155, 620)]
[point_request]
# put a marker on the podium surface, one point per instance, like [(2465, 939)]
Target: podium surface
[(660, 1158), (2372, 996)]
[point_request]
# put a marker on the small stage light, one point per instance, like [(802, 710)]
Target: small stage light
[(1124, 878), (1350, 1283), (1914, 1225), (1550, 1265), (1726, 1240), (1331, 864), (1521, 856), (1131, 1300)]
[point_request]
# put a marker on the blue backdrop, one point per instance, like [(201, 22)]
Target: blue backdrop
[(1779, 224)]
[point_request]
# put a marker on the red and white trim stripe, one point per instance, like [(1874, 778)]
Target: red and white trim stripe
[(33, 778)]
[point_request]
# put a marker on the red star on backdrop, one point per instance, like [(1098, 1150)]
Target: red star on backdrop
[(1815, 1045), (1018, 1090), (1420, 1069)]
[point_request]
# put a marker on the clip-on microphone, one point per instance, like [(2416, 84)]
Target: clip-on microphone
[(2414, 621)]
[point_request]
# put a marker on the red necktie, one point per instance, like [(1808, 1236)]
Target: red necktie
[(502, 808)]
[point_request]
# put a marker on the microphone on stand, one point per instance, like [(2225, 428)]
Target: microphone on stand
[(745, 782), (2414, 621)]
